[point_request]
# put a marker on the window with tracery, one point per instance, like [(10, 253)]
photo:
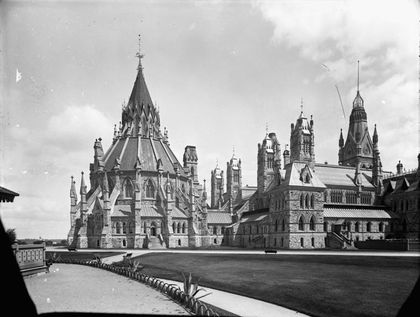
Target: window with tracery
[(150, 189)]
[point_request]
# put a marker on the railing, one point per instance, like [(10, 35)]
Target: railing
[(30, 258), (406, 172), (195, 306)]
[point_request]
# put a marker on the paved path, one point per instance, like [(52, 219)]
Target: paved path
[(80, 288), (241, 305)]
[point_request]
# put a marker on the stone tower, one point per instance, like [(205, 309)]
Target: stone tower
[(217, 187), (358, 147), (302, 146), (191, 162), (233, 178), (268, 151)]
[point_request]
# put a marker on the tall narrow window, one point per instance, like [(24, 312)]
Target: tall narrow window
[(128, 188), (356, 227), (173, 227), (150, 189), (124, 227), (283, 225), (214, 230), (312, 201), (369, 226), (302, 201), (307, 201), (312, 224), (301, 242), (312, 242), (301, 223), (276, 225), (178, 228), (118, 227), (381, 227), (325, 226), (183, 227)]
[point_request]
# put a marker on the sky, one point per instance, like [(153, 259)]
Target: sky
[(221, 72)]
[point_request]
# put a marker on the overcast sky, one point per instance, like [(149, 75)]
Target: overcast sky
[(219, 72)]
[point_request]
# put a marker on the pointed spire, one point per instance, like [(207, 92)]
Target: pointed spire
[(301, 106), (82, 185), (233, 151), (72, 187), (375, 136), (358, 101), (341, 140)]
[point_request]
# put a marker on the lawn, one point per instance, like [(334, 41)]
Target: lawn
[(324, 285)]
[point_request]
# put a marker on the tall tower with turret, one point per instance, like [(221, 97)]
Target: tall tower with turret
[(358, 147), (302, 145), (217, 187), (233, 178), (268, 156)]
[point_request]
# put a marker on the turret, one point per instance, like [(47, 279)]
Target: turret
[(286, 155), (73, 201), (377, 165), (107, 203), (266, 160), (191, 161), (340, 146), (98, 155), (217, 186), (234, 178), (399, 168), (302, 145)]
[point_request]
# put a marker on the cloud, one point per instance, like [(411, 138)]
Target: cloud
[(38, 166), (344, 31)]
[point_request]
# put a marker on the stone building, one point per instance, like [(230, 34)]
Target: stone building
[(141, 195), (306, 204)]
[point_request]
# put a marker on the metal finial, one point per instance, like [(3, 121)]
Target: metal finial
[(139, 54), (358, 67), (301, 104), (233, 150)]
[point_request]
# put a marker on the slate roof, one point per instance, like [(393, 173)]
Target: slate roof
[(151, 150), (293, 176), (337, 175), (149, 211), (218, 217), (121, 211), (177, 213), (338, 212), (254, 218)]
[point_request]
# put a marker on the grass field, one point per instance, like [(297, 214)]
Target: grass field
[(321, 285)]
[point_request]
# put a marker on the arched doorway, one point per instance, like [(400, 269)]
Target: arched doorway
[(153, 229)]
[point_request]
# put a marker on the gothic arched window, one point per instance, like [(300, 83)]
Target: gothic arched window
[(178, 228), (150, 189), (301, 223), (312, 201), (183, 227), (173, 227), (118, 227), (312, 224), (369, 226), (276, 226), (302, 201), (357, 226), (128, 188), (283, 225), (307, 201)]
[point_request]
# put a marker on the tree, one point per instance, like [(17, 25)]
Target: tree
[(11, 233)]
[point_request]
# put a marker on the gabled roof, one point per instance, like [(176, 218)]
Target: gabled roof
[(294, 176), (149, 211)]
